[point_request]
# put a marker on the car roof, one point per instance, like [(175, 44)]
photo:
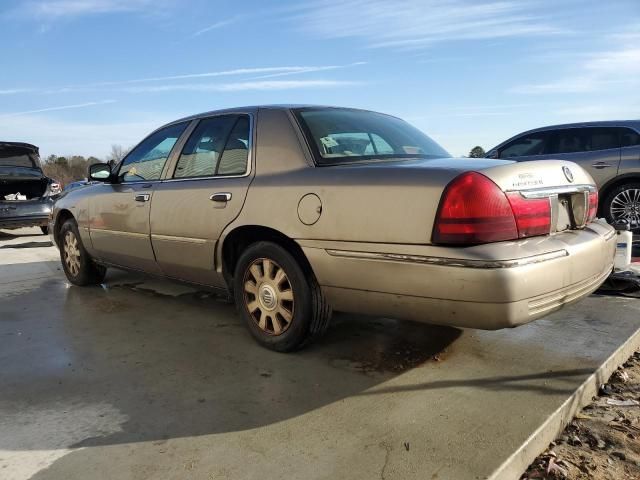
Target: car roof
[(635, 124), (255, 108), (602, 123)]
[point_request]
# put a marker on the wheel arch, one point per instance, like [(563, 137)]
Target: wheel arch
[(238, 239), (612, 184), (62, 216)]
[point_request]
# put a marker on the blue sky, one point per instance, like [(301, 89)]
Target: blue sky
[(80, 75)]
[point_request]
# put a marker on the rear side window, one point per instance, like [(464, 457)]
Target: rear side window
[(532, 144), (573, 140), (340, 135), (628, 137), (146, 161), (218, 146)]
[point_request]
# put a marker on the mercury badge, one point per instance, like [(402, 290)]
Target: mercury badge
[(568, 174)]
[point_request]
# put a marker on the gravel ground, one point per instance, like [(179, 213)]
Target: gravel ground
[(603, 440)]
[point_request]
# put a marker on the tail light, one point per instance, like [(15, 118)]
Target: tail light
[(593, 206), (475, 210)]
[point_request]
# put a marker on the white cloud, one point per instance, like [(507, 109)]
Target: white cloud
[(62, 137), (263, 72), (52, 9), (242, 86), (61, 107), (598, 71), (420, 23), (217, 25)]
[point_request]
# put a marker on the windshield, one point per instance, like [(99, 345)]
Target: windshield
[(343, 136)]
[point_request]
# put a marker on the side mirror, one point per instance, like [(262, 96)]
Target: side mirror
[(100, 172)]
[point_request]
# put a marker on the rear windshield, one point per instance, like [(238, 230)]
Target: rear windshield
[(344, 136)]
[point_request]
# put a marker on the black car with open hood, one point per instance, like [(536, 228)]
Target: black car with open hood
[(26, 194)]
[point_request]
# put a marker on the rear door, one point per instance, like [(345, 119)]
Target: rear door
[(596, 149), (119, 212), (204, 191)]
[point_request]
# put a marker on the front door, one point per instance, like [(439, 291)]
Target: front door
[(203, 194), (119, 213)]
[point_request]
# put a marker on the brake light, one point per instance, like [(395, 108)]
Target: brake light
[(475, 210), (533, 215), (593, 206)]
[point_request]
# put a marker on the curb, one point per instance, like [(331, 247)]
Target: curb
[(517, 463)]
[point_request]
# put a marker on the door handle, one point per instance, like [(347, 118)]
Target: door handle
[(601, 165), (220, 197), (142, 197)]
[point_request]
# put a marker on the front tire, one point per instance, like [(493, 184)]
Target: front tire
[(77, 263), (283, 306), (623, 203)]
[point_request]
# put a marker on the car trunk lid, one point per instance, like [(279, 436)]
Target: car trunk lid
[(20, 174)]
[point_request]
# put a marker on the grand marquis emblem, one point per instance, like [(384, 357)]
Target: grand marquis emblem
[(568, 174)]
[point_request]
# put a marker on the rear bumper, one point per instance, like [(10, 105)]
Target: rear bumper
[(488, 286), (28, 213)]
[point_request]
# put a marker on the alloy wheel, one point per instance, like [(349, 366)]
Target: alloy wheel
[(71, 253), (626, 206), (268, 296)]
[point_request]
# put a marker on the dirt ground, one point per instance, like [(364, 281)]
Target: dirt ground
[(603, 440)]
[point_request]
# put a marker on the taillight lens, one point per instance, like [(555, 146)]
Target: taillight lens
[(593, 206), (475, 210), (533, 215)]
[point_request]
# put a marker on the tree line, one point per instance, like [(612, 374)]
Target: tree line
[(67, 169)]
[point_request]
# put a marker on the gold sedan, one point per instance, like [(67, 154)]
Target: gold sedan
[(298, 211)]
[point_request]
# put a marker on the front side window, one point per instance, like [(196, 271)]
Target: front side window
[(146, 161), (218, 146), (340, 135), (532, 144)]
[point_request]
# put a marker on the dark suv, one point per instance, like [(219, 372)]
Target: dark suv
[(26, 194), (609, 151)]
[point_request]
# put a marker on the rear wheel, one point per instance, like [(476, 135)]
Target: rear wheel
[(77, 263), (282, 305), (623, 203)]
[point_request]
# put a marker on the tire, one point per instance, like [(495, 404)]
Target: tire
[(77, 264), (627, 193), (45, 230), (283, 306)]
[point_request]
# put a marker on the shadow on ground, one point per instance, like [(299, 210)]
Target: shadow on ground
[(180, 366)]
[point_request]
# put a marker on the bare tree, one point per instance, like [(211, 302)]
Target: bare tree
[(118, 152)]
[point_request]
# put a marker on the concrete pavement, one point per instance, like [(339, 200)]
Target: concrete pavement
[(144, 378)]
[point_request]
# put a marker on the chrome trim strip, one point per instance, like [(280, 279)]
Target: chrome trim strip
[(450, 262), (119, 232), (548, 191), (172, 238)]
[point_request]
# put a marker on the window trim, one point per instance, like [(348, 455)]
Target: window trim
[(169, 156), (168, 176)]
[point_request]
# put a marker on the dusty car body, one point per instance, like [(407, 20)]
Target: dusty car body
[(26, 194), (366, 210), (608, 150)]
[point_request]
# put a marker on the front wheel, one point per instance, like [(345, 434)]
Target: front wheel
[(623, 203), (282, 305), (77, 264)]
